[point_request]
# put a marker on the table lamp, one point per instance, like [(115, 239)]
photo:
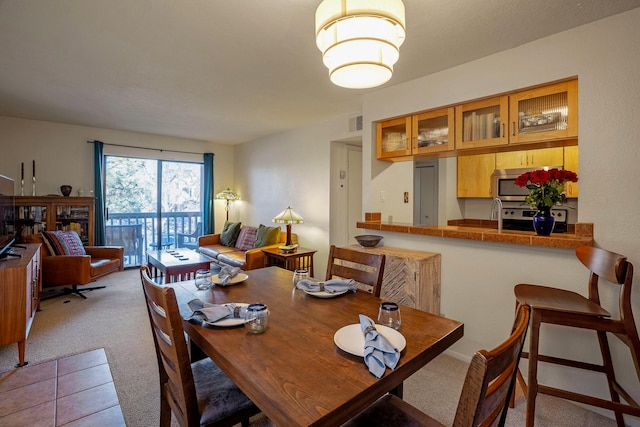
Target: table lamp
[(228, 196), (288, 216)]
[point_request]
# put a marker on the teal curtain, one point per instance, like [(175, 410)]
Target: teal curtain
[(100, 237), (208, 217)]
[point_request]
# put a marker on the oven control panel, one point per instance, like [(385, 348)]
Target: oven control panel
[(526, 214)]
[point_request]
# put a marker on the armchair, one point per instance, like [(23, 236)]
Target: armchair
[(189, 240), (77, 270)]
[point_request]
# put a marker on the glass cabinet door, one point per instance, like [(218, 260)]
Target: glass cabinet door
[(74, 218), (482, 123), (433, 131), (392, 138), (30, 219), (546, 113)]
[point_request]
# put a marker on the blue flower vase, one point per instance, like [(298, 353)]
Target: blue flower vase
[(543, 221)]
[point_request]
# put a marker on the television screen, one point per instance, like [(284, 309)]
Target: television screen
[(7, 214)]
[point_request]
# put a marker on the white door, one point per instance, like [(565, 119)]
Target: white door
[(354, 186)]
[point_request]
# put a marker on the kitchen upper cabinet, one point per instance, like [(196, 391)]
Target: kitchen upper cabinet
[(418, 134), (474, 175), (433, 131), (482, 123), (393, 138), (530, 158), (545, 113), (571, 163)]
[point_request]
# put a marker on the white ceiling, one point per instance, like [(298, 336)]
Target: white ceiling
[(231, 71)]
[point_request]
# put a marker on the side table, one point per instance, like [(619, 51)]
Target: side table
[(300, 258)]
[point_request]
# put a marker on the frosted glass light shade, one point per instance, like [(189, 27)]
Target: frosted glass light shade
[(360, 40)]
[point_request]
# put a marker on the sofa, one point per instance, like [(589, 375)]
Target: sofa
[(63, 270), (241, 251)]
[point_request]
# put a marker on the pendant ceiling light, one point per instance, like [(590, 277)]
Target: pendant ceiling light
[(360, 40)]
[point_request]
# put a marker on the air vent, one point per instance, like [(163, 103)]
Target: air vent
[(355, 123)]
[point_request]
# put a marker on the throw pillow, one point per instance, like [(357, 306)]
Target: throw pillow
[(267, 236), (246, 238), (230, 233), (63, 242)]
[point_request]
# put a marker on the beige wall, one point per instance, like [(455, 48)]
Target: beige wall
[(63, 156)]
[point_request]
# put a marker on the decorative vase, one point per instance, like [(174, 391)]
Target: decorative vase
[(65, 190), (543, 221)]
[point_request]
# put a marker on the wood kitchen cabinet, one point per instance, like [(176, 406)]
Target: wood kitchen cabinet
[(393, 138), (39, 213), (20, 287), (544, 113), (411, 278), (418, 134), (474, 175), (482, 123), (571, 163), (530, 158)]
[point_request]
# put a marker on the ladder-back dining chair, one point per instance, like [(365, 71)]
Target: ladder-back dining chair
[(566, 308), (365, 268), (485, 395), (199, 393)]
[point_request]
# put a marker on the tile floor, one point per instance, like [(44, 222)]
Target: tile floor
[(73, 391)]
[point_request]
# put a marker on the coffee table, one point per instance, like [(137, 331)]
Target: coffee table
[(174, 265)]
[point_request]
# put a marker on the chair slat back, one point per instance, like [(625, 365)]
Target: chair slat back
[(176, 377), (365, 268), (490, 379)]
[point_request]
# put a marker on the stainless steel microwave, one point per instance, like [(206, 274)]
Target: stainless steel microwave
[(503, 183)]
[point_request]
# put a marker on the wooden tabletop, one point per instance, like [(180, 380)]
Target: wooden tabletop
[(294, 372)]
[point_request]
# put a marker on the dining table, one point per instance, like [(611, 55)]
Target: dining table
[(294, 371)]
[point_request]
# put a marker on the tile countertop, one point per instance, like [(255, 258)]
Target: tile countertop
[(481, 230)]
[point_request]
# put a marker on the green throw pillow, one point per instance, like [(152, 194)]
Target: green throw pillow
[(267, 236), (230, 233)]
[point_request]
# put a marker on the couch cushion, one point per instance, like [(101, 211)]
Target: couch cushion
[(267, 236), (63, 242), (230, 233), (246, 238), (102, 267)]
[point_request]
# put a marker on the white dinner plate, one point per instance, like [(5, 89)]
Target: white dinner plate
[(325, 294), (240, 277), (230, 321), (351, 339)]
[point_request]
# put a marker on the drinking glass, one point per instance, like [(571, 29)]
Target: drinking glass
[(203, 279), (300, 274), (389, 315), (257, 318)]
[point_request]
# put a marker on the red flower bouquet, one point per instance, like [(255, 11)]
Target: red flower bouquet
[(546, 187)]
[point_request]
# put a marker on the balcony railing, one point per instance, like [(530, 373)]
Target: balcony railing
[(138, 233)]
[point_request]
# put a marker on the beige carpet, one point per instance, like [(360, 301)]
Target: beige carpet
[(115, 319)]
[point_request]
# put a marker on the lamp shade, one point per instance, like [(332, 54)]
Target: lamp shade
[(360, 40), (227, 195), (288, 216)]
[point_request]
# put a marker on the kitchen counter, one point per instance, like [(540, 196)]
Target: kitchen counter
[(582, 233)]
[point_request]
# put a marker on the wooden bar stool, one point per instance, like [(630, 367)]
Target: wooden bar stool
[(561, 307)]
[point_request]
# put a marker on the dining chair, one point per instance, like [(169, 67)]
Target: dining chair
[(199, 393), (566, 308), (363, 267), (485, 395)]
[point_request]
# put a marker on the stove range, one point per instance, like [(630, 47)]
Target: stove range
[(521, 219)]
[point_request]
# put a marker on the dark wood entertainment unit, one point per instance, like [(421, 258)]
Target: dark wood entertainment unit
[(20, 287)]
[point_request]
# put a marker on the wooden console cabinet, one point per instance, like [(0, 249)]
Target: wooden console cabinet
[(20, 286), (411, 278)]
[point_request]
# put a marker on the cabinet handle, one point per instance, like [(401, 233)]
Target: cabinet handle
[(513, 128), (503, 130)]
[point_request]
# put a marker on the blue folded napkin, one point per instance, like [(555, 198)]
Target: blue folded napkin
[(204, 311), (330, 286), (378, 351), (228, 273)]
